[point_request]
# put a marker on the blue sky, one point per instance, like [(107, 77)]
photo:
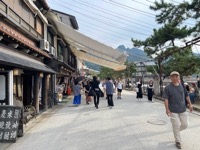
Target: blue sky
[(111, 22)]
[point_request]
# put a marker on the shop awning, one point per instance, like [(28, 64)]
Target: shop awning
[(10, 57), (88, 49)]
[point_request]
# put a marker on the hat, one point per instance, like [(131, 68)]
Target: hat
[(174, 73)]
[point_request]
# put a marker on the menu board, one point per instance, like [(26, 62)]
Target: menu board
[(9, 122)]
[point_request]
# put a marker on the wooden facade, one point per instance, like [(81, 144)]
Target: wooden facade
[(21, 32)]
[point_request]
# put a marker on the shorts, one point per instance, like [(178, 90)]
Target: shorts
[(119, 90)]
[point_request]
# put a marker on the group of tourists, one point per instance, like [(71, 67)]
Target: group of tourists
[(176, 98), (192, 90), (150, 90), (92, 88)]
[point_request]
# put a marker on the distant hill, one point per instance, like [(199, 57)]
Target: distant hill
[(92, 65), (134, 55)]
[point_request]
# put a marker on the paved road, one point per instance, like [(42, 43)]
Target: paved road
[(125, 127)]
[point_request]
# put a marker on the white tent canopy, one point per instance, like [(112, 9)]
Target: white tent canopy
[(88, 49)]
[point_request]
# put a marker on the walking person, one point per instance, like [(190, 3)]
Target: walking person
[(175, 95), (119, 89), (77, 94), (104, 87), (87, 88), (95, 87), (139, 90), (115, 86), (150, 88), (109, 91)]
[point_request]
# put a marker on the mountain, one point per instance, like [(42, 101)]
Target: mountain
[(92, 65), (134, 55)]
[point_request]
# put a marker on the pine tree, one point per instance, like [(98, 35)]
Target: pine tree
[(162, 42)]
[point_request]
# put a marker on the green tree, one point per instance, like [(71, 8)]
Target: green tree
[(161, 43), (183, 11), (107, 72), (173, 13)]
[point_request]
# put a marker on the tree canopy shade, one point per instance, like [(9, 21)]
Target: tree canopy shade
[(180, 13), (162, 41)]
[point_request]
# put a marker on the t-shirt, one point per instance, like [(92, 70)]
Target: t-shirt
[(119, 85), (94, 84), (77, 90), (176, 97), (109, 87)]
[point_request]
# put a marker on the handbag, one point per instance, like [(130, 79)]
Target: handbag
[(101, 93), (91, 92)]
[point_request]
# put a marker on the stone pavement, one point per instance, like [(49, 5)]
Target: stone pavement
[(130, 125)]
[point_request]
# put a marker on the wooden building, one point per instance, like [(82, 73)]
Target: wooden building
[(32, 54)]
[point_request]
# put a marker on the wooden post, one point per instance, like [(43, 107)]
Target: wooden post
[(36, 92), (53, 87), (45, 88)]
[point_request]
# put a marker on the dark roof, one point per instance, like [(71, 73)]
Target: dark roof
[(10, 57), (42, 3), (54, 63)]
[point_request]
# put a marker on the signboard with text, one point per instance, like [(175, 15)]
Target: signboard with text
[(9, 122)]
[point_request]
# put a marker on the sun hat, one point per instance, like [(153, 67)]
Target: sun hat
[(174, 73)]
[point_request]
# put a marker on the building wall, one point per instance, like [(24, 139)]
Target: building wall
[(19, 8), (65, 19)]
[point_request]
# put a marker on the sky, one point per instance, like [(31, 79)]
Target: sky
[(112, 22)]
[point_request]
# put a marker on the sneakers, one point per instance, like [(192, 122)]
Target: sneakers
[(178, 145)]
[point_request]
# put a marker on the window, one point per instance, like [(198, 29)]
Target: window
[(59, 50), (50, 37), (73, 61), (70, 59), (39, 26)]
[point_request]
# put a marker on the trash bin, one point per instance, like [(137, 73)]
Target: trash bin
[(9, 122)]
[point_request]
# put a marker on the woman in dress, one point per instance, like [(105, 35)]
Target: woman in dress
[(139, 90), (150, 88)]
